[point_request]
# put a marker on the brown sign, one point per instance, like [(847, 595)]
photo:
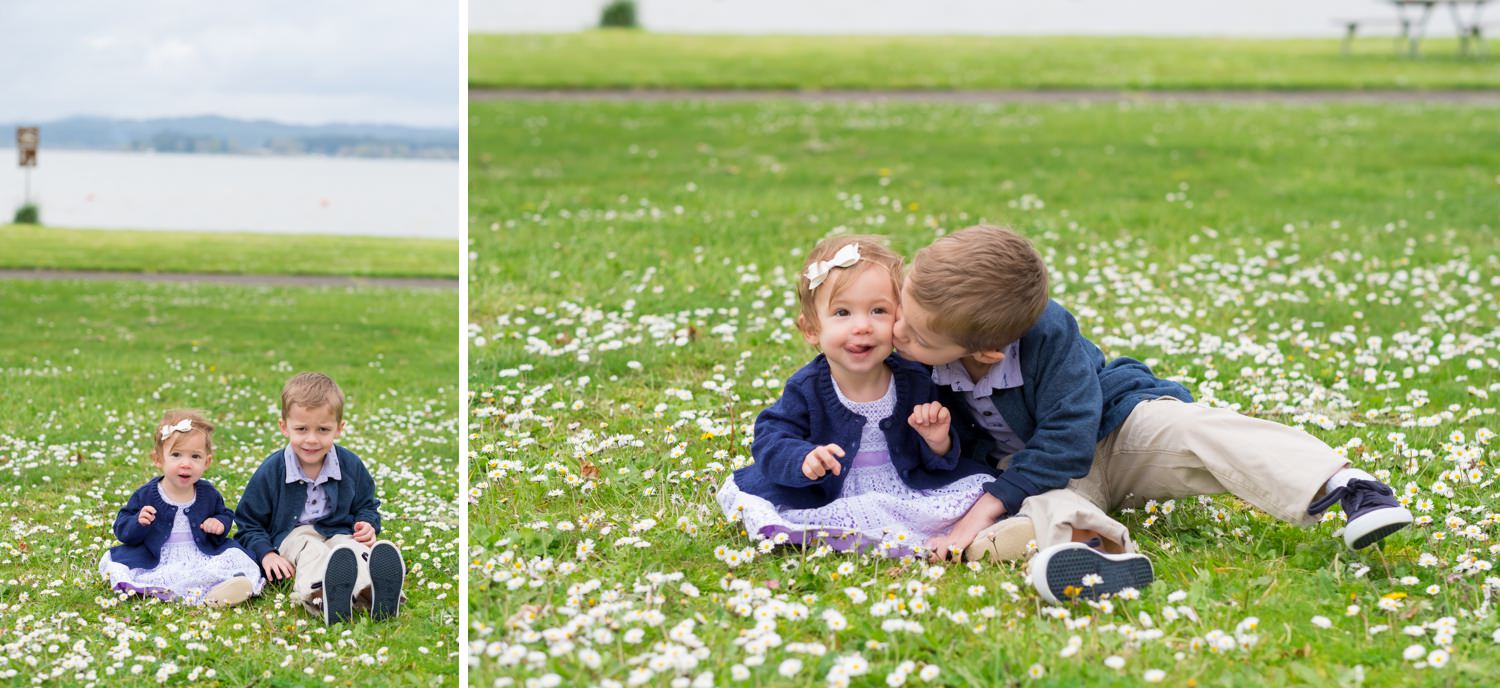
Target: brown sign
[(26, 141)]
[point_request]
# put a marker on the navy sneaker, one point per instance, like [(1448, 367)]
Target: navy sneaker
[(1371, 508), (1075, 571), (387, 573), (338, 585)]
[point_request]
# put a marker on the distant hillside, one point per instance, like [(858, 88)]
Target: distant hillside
[(213, 134)]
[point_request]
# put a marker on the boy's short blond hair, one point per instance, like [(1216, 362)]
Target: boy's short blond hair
[(166, 435), (873, 255), (984, 286), (310, 391)]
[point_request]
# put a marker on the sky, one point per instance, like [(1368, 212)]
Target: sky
[(293, 61), (1266, 18)]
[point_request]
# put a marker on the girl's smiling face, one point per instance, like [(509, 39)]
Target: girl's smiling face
[(184, 457), (854, 325)]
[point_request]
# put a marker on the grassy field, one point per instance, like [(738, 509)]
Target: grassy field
[(1331, 267), (634, 59), (53, 248), (89, 367)]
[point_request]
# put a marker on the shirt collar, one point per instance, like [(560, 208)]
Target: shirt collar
[(1005, 375), (329, 472)]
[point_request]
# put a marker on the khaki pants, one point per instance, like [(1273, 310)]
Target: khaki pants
[(1167, 449), (308, 551)]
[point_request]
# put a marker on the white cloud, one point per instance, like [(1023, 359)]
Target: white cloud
[(289, 60)]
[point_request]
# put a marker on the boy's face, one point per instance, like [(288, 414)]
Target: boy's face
[(311, 431), (854, 329), (183, 459), (916, 341)]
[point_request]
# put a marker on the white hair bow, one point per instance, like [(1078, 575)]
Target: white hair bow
[(818, 271), (184, 425)]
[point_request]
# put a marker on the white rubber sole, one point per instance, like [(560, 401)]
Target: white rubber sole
[(1059, 573), (1375, 525)]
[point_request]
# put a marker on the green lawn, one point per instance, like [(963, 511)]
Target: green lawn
[(636, 59), (52, 248), (1332, 267), (88, 368)]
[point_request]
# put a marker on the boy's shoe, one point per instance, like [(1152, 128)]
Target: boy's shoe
[(229, 593), (387, 573), (1371, 509), (1073, 571), (338, 584), (1005, 540)]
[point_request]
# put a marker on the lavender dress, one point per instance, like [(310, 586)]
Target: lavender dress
[(875, 508), (184, 571)]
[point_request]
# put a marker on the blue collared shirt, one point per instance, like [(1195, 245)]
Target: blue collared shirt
[(317, 505), (1004, 375)]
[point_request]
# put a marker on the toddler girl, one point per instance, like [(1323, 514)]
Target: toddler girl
[(856, 452), (175, 528)]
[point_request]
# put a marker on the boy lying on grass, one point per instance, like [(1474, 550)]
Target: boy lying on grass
[(1077, 436)]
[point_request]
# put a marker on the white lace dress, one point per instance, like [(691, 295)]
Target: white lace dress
[(184, 572), (875, 508)]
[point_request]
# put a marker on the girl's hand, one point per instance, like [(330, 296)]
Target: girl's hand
[(277, 567), (213, 526), (821, 461), (148, 514), (364, 533), (931, 421)]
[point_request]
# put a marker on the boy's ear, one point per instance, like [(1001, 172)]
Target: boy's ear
[(989, 357), (281, 425), (342, 424)]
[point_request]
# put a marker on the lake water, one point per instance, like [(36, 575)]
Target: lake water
[(1268, 18), (278, 194)]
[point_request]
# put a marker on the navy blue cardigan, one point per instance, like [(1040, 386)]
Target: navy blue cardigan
[(1068, 401), (271, 505), (142, 544), (809, 415)]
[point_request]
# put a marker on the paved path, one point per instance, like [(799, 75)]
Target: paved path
[(1051, 96), (268, 280)]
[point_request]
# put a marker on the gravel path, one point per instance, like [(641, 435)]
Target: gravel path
[(1052, 96), (269, 280)]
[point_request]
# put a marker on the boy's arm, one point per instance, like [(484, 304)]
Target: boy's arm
[(1068, 407), (366, 506), (127, 529), (781, 443), (253, 515)]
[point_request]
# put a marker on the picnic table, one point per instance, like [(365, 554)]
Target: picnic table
[(1468, 29)]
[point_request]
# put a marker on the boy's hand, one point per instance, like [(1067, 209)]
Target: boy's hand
[(822, 460), (931, 421), (950, 546), (364, 533), (212, 526), (148, 514), (277, 567)]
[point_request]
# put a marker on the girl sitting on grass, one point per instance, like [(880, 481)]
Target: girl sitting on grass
[(856, 452), (175, 529)]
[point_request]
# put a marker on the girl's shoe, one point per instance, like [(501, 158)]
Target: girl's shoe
[(387, 574), (1008, 539), (229, 593), (1074, 571), (338, 584)]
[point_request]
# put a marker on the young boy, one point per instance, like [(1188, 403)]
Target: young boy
[(310, 512), (1077, 436)]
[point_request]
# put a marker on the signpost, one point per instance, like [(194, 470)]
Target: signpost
[(27, 139)]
